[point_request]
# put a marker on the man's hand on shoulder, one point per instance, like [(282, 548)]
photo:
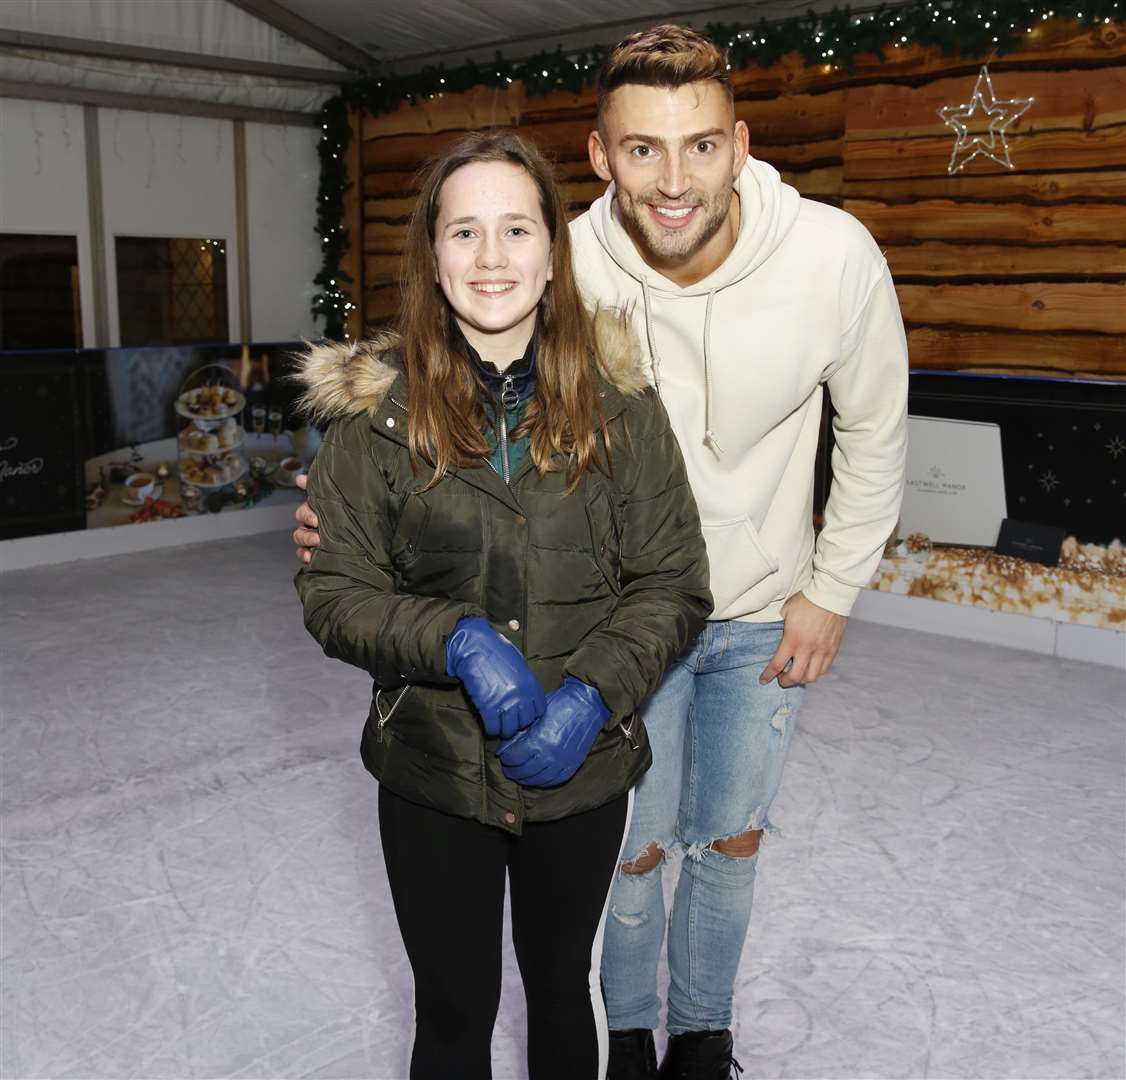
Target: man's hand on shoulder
[(811, 638), (305, 536)]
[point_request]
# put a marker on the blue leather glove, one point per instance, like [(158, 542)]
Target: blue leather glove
[(495, 676), (553, 748)]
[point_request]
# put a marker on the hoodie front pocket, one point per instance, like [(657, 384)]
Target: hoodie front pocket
[(741, 568)]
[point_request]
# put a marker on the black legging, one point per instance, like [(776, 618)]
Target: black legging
[(447, 881)]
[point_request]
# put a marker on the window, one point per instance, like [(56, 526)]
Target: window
[(39, 305), (171, 291)]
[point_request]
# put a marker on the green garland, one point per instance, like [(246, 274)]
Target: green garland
[(835, 38)]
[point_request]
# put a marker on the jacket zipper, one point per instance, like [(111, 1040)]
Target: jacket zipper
[(508, 399), (627, 731), (383, 718)]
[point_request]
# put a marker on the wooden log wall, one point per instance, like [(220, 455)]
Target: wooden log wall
[(997, 271)]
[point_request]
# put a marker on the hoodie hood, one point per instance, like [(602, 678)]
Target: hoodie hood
[(349, 379), (768, 210)]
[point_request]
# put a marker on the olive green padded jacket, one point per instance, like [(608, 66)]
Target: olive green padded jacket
[(608, 583)]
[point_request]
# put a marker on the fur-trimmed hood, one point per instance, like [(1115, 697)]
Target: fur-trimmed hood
[(349, 379)]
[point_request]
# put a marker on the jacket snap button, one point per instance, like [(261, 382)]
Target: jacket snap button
[(410, 547), (513, 624), (390, 421), (521, 520), (510, 818)]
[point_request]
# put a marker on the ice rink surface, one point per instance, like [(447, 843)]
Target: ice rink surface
[(193, 885)]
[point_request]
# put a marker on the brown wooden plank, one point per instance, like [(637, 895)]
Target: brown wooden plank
[(1050, 151), (937, 349), (381, 303), (1004, 186), (793, 118), (561, 141), (566, 139), (940, 219), (404, 153), (1039, 307), (583, 191), (404, 183), (381, 238), (935, 259), (826, 181), (381, 270), (351, 262), (1057, 42), (397, 210), (579, 169), (381, 184), (483, 106), (802, 157), (1062, 99)]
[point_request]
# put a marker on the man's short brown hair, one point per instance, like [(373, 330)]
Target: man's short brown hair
[(667, 56)]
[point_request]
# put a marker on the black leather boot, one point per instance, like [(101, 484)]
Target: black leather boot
[(632, 1055), (699, 1055)]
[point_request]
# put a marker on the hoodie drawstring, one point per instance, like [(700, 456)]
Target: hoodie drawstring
[(710, 440), (650, 340)]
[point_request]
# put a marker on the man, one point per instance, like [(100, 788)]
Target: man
[(747, 299)]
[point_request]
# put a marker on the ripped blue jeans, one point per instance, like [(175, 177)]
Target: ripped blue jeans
[(719, 743)]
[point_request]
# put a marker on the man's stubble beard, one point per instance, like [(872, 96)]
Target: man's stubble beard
[(678, 245)]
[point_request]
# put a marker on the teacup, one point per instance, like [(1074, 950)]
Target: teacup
[(289, 468), (139, 486)]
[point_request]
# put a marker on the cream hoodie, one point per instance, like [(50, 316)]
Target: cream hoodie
[(804, 298)]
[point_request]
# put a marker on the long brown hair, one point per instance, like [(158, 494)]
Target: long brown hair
[(446, 417)]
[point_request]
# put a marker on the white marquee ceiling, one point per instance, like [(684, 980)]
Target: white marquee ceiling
[(277, 60), (391, 30)]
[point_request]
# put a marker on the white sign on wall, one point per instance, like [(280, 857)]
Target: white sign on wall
[(955, 490)]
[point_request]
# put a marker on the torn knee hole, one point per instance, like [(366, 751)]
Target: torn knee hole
[(648, 860), (742, 846)]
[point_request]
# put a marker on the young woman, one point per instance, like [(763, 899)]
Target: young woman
[(503, 511)]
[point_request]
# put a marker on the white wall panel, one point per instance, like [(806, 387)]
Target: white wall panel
[(168, 176), (282, 176), (43, 181)]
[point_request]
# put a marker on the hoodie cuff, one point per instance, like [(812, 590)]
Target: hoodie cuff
[(829, 593)]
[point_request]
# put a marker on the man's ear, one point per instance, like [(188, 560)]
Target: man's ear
[(599, 159), (742, 147)]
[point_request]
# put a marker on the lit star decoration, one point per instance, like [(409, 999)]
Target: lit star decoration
[(1002, 115)]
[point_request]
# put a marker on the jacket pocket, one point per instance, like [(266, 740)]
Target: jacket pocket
[(744, 575), (605, 538), (386, 705)]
